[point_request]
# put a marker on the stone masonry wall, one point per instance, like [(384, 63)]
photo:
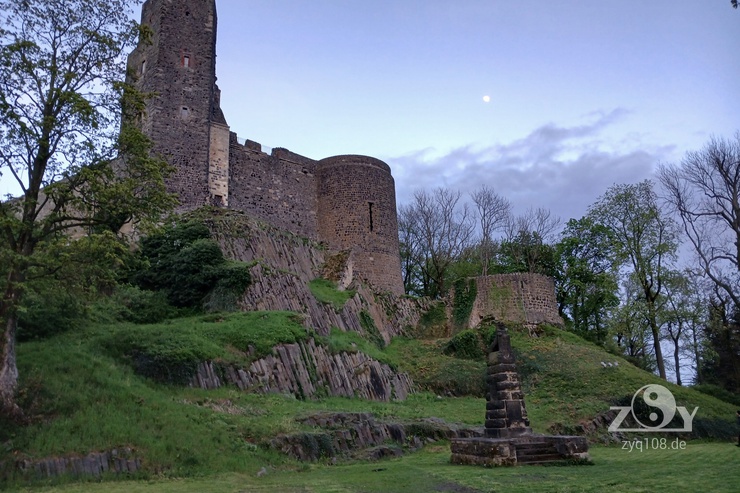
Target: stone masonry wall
[(520, 298), (348, 202), (279, 188), (178, 65), (218, 169), (357, 210)]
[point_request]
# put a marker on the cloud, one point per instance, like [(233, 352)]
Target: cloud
[(564, 169)]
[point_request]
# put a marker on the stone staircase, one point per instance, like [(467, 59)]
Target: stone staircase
[(539, 452)]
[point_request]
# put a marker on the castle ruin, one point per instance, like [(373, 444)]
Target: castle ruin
[(348, 202)]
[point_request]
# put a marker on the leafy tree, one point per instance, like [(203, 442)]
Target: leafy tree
[(647, 239), (682, 315), (527, 245), (721, 362), (526, 252), (631, 334), (188, 265), (61, 102), (586, 280)]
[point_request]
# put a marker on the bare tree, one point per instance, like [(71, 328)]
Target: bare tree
[(529, 238), (412, 251), (443, 229), (704, 190), (540, 222), (493, 215)]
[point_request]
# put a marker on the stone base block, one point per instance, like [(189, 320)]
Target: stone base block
[(524, 449)]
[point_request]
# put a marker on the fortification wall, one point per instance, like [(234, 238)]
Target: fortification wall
[(279, 188), (357, 211), (520, 298)]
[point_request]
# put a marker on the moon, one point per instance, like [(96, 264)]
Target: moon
[(486, 99)]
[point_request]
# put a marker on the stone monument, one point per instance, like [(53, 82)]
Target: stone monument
[(508, 439)]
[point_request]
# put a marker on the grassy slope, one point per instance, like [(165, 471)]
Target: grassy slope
[(92, 400), (563, 379), (700, 467)]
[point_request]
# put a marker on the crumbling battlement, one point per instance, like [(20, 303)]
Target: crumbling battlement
[(523, 298)]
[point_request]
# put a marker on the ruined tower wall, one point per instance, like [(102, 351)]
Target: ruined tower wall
[(178, 64), (279, 188), (520, 298), (357, 210)]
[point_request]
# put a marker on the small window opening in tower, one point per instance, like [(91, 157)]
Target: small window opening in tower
[(186, 61), (370, 207), (184, 112), (143, 67)]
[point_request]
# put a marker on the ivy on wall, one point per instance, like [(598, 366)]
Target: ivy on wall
[(371, 330), (500, 297), (466, 290)]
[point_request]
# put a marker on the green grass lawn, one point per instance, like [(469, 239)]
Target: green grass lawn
[(85, 395), (701, 467)]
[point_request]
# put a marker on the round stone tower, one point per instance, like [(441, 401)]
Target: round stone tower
[(357, 212)]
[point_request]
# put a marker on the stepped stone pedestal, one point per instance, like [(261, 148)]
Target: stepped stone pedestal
[(508, 437)]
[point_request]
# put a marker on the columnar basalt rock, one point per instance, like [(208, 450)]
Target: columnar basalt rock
[(307, 369), (347, 202)]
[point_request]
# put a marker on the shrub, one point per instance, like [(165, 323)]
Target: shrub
[(467, 345), (718, 392), (186, 264), (326, 292), (132, 304), (48, 311), (433, 323), (371, 331)]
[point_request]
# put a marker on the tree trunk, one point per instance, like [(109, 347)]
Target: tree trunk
[(697, 358), (677, 361), (8, 367), (658, 352), (655, 329)]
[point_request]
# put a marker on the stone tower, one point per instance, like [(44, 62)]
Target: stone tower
[(357, 211), (348, 202), (183, 119)]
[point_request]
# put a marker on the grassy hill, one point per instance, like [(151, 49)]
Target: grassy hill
[(84, 394)]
